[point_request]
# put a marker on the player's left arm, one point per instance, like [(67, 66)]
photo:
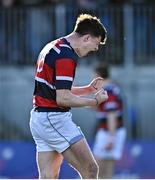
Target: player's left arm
[(94, 86)]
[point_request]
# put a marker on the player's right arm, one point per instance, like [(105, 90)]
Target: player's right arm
[(93, 87), (66, 98), (65, 67)]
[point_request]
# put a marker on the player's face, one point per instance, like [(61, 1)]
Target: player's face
[(89, 44)]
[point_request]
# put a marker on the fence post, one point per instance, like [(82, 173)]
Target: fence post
[(128, 36), (60, 19)]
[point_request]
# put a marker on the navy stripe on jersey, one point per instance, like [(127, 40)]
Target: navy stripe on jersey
[(63, 85), (44, 91), (55, 69)]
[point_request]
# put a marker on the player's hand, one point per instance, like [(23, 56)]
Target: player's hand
[(101, 96), (96, 84)]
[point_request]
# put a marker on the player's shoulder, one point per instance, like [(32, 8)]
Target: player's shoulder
[(58, 46), (59, 49)]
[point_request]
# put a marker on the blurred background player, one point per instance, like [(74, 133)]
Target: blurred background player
[(111, 134)]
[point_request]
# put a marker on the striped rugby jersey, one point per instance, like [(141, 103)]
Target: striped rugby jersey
[(55, 69)]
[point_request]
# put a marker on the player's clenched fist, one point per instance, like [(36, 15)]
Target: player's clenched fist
[(96, 84), (101, 96)]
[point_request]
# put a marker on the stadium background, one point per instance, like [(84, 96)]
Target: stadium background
[(25, 27)]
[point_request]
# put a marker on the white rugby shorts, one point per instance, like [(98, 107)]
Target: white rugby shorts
[(54, 131), (101, 141)]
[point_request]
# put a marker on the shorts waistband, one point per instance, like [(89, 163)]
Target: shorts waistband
[(46, 109)]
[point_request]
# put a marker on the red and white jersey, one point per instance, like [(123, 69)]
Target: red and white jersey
[(55, 69)]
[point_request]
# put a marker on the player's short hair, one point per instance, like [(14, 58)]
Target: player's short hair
[(102, 70), (88, 24)]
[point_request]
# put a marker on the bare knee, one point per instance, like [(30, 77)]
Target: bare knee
[(92, 171)]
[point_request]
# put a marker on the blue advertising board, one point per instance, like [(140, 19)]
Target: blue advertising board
[(17, 161)]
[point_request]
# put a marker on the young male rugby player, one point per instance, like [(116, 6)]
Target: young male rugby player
[(55, 134)]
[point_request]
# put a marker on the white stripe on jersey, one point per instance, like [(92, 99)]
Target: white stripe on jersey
[(67, 78), (65, 45), (56, 49), (44, 81)]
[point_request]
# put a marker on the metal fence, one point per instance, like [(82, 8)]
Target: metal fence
[(144, 34), (131, 40), (24, 31)]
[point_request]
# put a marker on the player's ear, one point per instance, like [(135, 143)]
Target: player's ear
[(86, 37)]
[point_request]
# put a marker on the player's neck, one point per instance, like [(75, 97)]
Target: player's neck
[(72, 39), (74, 42)]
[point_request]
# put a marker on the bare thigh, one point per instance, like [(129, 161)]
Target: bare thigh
[(49, 163), (80, 157)]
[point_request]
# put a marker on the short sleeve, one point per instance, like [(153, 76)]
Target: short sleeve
[(65, 71)]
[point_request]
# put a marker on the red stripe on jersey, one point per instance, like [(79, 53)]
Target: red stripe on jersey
[(103, 125), (65, 67), (46, 73), (58, 42), (44, 102)]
